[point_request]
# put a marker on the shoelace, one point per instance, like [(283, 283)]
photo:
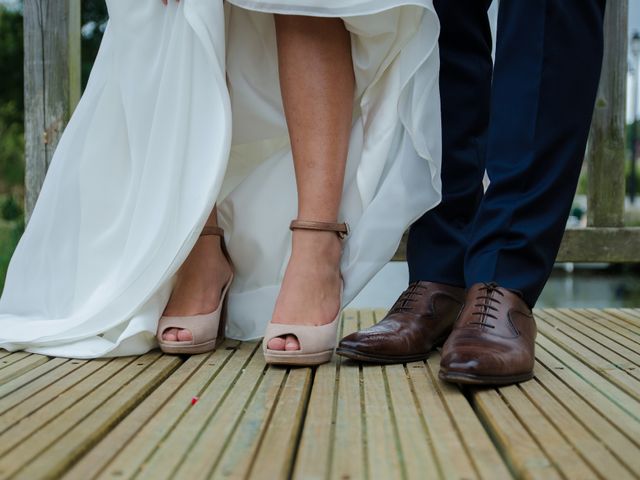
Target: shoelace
[(404, 302), (485, 307)]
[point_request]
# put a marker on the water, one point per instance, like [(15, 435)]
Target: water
[(585, 287), (591, 288)]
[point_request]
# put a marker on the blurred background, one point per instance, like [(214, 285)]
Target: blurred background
[(571, 285)]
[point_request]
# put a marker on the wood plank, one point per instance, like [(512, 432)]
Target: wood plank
[(462, 445), (122, 452), (418, 441), (524, 455), (574, 433), (193, 448), (604, 406), (615, 319), (4, 353), (632, 312), (349, 447), (12, 358), (623, 317), (623, 357), (549, 352), (383, 448), (20, 367), (576, 419), (604, 443), (278, 447), (611, 366), (606, 325), (578, 327), (545, 434), (609, 245), (416, 444), (315, 449), (22, 419), (31, 397), (41, 374), (444, 442), (586, 245), (243, 442), (51, 424), (142, 377)]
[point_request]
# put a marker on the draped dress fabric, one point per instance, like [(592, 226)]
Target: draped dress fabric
[(183, 111)]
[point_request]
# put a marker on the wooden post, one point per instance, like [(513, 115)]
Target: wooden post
[(52, 83), (606, 154)]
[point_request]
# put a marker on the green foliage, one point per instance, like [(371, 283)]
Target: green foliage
[(11, 133), (583, 181), (629, 131), (10, 233), (11, 60), (11, 209), (11, 148), (11, 101), (627, 176), (6, 250)]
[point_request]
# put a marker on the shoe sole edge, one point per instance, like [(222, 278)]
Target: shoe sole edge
[(294, 359), (380, 359), (204, 347), (487, 380)]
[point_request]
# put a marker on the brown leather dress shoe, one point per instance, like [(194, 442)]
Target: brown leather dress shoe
[(492, 342), (420, 321)]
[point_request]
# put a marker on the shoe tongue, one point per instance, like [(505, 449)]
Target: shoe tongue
[(492, 286)]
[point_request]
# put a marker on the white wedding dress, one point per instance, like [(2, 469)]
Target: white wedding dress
[(183, 111)]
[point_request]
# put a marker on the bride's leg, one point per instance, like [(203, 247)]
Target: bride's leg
[(317, 83), (199, 282)]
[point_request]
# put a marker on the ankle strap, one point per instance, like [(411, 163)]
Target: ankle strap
[(341, 229), (212, 231)]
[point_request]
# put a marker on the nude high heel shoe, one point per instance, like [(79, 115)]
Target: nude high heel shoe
[(207, 331), (317, 342)]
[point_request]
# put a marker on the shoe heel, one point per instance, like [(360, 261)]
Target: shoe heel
[(205, 330), (222, 326)]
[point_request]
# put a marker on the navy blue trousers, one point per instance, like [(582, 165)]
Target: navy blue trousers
[(526, 121)]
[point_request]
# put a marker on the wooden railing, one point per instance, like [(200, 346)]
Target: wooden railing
[(606, 239), (52, 89), (51, 83)]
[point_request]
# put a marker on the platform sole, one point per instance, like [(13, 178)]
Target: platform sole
[(294, 359), (174, 348)]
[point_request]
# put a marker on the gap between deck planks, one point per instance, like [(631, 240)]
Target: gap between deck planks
[(133, 417)]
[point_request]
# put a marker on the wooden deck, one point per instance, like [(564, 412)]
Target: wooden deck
[(134, 418)]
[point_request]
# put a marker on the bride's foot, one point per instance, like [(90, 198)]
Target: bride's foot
[(310, 292), (199, 284)]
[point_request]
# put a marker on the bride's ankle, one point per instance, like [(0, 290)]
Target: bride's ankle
[(308, 245), (208, 248)]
